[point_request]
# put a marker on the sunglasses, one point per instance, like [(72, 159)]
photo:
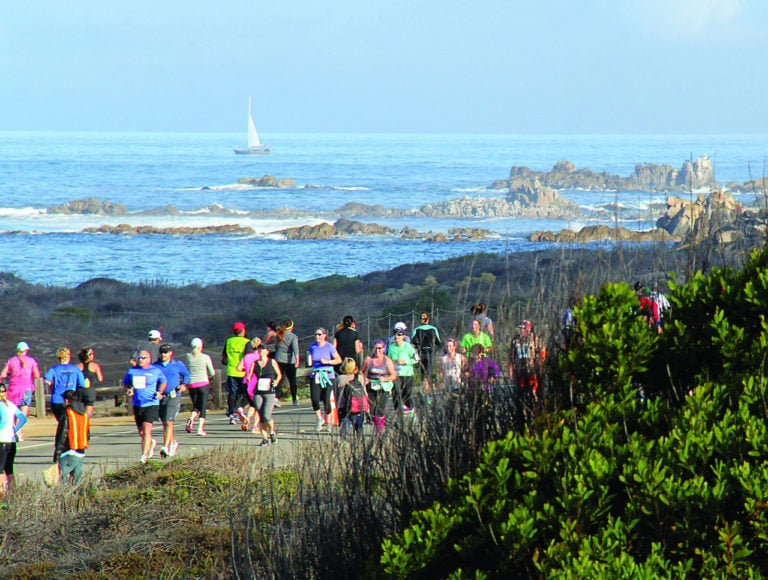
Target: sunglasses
[(141, 357), (319, 334)]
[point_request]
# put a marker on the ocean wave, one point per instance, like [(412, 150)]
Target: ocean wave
[(480, 189), (20, 211)]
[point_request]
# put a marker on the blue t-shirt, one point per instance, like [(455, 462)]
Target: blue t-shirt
[(63, 378), (145, 383), (175, 372)]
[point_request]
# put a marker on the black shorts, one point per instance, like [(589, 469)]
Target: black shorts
[(7, 457), (169, 408), (148, 414)]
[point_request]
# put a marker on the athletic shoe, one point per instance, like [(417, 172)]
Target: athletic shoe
[(201, 433), (240, 414), (142, 458), (19, 436), (233, 420), (406, 409), (173, 448), (273, 437), (295, 402), (264, 443), (320, 425), (188, 426), (152, 449), (164, 451), (256, 430), (277, 403)]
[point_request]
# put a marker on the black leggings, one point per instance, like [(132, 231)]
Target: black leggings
[(288, 371), (199, 396), (7, 457), (322, 395)]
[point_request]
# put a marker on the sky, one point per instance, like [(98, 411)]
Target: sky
[(386, 66)]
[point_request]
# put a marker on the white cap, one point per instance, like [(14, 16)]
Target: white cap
[(196, 342), (154, 335), (22, 346), (400, 327)]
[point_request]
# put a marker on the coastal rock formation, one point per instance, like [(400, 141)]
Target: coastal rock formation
[(268, 181), (341, 227), (646, 177), (88, 206), (127, 229), (683, 217), (530, 204), (356, 209), (602, 232)]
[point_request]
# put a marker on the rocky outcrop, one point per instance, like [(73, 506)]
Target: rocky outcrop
[(340, 228), (646, 177), (268, 181), (601, 233), (716, 218), (88, 206), (527, 205), (356, 209), (177, 231)]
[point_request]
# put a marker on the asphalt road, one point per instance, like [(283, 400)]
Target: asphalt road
[(115, 441)]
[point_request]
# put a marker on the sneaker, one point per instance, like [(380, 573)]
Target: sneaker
[(142, 458), (19, 436), (256, 430), (406, 409), (233, 420), (240, 414), (201, 433), (173, 448), (264, 443), (277, 403), (295, 402), (164, 451), (320, 425), (152, 449), (188, 426), (273, 437)]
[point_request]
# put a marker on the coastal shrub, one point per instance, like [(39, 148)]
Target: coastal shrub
[(622, 487)]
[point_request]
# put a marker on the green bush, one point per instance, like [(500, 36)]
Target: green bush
[(621, 487)]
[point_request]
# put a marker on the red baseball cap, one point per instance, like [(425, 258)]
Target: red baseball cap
[(238, 326)]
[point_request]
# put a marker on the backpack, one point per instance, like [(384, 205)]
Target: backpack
[(357, 398)]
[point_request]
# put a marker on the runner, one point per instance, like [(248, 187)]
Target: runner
[(380, 372), (21, 372), (177, 379), (287, 356), (201, 372), (11, 422), (267, 374), (59, 379), (322, 357), (93, 376), (233, 353), (146, 384)]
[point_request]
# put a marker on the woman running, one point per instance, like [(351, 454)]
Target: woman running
[(93, 376), (267, 376), (21, 372), (287, 356), (322, 357), (201, 372), (11, 422), (380, 372)]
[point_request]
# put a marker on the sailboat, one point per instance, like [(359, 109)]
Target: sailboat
[(255, 146)]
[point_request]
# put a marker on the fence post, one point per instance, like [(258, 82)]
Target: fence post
[(40, 398), (217, 390)]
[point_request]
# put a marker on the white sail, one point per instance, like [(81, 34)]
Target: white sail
[(253, 135), (255, 146)]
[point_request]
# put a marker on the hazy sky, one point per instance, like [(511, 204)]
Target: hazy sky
[(479, 66)]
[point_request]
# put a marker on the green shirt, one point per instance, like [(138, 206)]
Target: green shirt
[(468, 341), (403, 352), (235, 350)]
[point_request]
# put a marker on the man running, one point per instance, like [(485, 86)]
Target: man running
[(146, 385), (177, 377), (233, 353)]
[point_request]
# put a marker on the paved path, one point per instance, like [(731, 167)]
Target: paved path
[(115, 441)]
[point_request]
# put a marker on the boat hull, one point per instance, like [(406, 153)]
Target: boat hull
[(263, 150)]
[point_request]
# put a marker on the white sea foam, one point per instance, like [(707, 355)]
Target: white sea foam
[(20, 211)]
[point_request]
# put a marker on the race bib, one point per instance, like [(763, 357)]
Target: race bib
[(139, 382), (264, 385)]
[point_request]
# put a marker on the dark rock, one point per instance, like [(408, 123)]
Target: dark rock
[(126, 229), (88, 206), (603, 232)]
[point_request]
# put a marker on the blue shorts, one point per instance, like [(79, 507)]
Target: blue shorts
[(26, 400)]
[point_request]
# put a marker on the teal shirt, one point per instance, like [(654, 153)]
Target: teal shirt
[(403, 352)]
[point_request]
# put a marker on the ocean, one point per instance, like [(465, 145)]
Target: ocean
[(196, 171)]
